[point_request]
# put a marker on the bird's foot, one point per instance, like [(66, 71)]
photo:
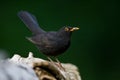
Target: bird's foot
[(58, 64)]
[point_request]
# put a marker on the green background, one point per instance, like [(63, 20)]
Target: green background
[(94, 48)]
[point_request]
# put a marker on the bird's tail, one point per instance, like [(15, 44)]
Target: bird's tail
[(30, 21)]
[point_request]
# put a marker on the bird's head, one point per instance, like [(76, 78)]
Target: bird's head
[(70, 29), (67, 30)]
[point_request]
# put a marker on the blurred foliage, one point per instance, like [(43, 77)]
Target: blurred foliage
[(94, 47)]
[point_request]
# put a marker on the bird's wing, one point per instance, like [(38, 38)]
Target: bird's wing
[(43, 40)]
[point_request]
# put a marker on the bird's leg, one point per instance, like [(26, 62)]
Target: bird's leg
[(59, 64), (50, 60)]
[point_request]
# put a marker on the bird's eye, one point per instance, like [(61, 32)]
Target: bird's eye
[(67, 29)]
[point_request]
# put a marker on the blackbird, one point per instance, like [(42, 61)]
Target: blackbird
[(50, 43)]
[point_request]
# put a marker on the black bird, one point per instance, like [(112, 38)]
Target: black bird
[(50, 43)]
